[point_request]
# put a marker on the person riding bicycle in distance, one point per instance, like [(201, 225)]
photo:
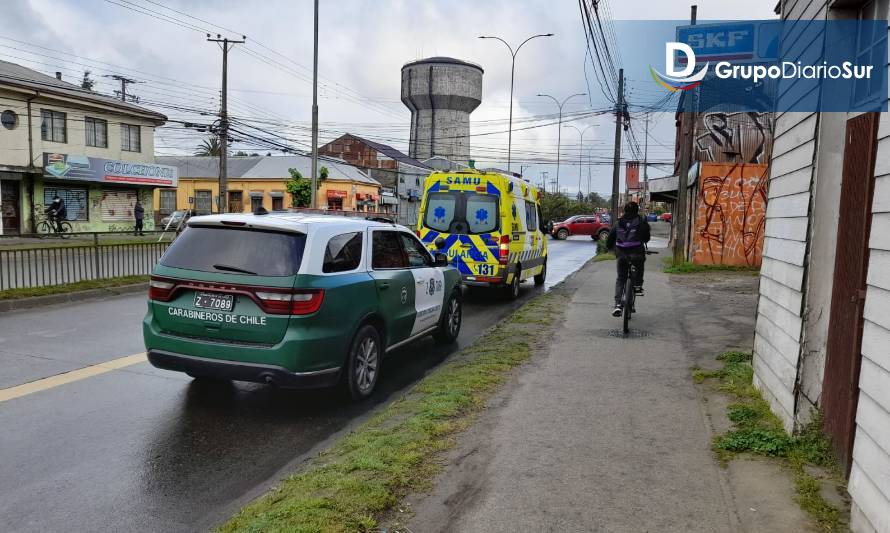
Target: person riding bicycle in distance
[(57, 212), (628, 239)]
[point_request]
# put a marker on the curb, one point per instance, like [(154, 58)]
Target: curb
[(74, 296)]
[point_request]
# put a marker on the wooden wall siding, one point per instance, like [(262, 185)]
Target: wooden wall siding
[(780, 311), (869, 484)]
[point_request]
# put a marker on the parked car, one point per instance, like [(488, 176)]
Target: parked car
[(174, 218), (296, 300), (651, 217), (667, 217), (592, 225)]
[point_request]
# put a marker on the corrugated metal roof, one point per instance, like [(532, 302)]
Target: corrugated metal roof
[(388, 151), (264, 167), (19, 76)]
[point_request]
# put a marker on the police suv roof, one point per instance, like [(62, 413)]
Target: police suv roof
[(296, 222)]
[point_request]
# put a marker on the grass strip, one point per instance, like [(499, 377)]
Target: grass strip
[(690, 268), (609, 256), (108, 283), (350, 486), (758, 431)]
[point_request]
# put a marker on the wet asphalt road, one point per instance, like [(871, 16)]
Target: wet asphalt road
[(141, 449)]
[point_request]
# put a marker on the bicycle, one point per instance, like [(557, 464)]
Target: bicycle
[(628, 299), (48, 226)]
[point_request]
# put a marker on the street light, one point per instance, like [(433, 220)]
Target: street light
[(512, 71), (581, 151), (559, 134)]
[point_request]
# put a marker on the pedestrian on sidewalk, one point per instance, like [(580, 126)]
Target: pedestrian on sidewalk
[(628, 239), (139, 213)]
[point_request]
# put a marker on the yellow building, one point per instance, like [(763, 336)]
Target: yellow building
[(256, 181)]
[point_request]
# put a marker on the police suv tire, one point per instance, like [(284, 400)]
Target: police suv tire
[(542, 277), (355, 381), (562, 234), (449, 324)]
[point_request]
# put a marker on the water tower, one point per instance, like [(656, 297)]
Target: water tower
[(441, 92)]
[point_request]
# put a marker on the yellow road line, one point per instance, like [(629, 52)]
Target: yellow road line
[(25, 389)]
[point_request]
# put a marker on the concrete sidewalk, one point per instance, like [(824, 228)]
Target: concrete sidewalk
[(600, 433)]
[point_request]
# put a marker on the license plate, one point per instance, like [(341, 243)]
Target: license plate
[(215, 301)]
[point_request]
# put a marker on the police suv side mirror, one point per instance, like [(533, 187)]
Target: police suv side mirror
[(440, 243), (440, 260)]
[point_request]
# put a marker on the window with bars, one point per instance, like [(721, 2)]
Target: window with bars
[(130, 138), (167, 203), (203, 202), (96, 132), (52, 126), (75, 201)]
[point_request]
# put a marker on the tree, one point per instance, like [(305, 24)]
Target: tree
[(322, 175), (209, 147), (299, 189), (87, 82)]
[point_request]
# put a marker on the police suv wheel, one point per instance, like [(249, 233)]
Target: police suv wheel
[(449, 324), (363, 363)]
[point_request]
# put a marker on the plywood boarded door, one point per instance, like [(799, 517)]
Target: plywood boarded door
[(840, 392)]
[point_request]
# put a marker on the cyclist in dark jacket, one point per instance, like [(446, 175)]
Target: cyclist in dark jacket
[(57, 212), (628, 238)]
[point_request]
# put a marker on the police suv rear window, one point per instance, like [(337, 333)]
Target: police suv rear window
[(236, 251), (343, 253)]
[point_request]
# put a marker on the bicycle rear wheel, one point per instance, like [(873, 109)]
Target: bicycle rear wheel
[(65, 230), (628, 303)]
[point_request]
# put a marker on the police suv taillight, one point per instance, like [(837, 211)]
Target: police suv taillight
[(296, 302), (160, 289)]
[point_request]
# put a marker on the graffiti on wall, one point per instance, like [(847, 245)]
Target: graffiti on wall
[(734, 137), (730, 215)]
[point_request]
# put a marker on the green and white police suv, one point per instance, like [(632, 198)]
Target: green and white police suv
[(294, 300)]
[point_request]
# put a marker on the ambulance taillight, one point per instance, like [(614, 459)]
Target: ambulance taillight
[(504, 251)]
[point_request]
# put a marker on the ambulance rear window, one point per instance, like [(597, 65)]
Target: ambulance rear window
[(461, 212), (440, 209), (482, 212)]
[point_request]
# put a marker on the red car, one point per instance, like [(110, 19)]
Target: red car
[(667, 217), (592, 225)]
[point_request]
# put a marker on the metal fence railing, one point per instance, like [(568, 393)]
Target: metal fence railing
[(25, 264)]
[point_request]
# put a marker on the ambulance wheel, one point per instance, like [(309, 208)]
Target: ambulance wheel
[(363, 363), (562, 234), (449, 324), (513, 288), (542, 277)]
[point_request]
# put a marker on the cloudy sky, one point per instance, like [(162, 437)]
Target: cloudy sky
[(363, 44)]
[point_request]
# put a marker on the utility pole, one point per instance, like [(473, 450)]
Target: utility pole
[(646, 164), (616, 165), (685, 155), (124, 82), (226, 45), (313, 202)]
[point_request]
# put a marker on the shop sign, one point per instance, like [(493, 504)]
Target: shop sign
[(82, 168), (336, 194)]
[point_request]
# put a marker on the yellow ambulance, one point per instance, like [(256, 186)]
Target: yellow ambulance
[(488, 223)]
